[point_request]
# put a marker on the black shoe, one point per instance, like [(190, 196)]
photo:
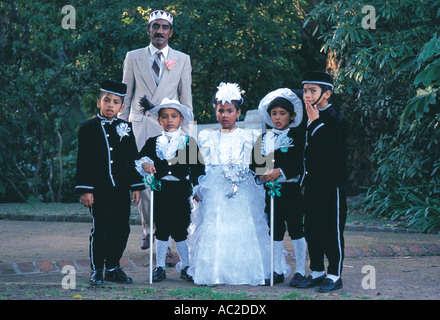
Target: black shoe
[(277, 278), (309, 282), (185, 276), (117, 275), (96, 277), (329, 285), (297, 278), (159, 274)]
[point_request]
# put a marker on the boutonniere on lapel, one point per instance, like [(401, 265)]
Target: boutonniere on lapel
[(286, 142), (170, 64), (123, 129)]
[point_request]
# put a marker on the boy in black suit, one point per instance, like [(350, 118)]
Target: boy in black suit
[(173, 158), (324, 183), (105, 175), (278, 156)]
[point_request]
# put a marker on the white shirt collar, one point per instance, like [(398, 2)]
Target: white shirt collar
[(105, 119), (281, 132), (153, 50), (326, 107)]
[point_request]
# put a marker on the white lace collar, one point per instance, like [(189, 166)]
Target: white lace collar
[(168, 143), (275, 139)]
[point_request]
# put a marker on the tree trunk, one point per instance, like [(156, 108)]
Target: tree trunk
[(40, 159), (17, 191), (60, 160)]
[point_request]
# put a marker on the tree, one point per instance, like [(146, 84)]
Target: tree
[(50, 75), (37, 92), (389, 79)]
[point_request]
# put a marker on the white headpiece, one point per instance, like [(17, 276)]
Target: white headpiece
[(286, 94), (160, 14), (228, 92)]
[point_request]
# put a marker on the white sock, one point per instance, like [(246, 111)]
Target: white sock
[(317, 274), (182, 250), (278, 247), (300, 248), (161, 252), (333, 277)]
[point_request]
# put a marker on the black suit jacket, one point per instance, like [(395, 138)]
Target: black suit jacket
[(106, 159), (291, 162), (186, 163), (326, 149)]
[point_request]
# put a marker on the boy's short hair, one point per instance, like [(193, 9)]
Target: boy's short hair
[(159, 113), (280, 102)]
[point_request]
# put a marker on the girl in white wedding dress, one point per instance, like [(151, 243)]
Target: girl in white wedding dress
[(229, 240)]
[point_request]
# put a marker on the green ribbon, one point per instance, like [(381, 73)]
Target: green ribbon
[(152, 183), (274, 188)]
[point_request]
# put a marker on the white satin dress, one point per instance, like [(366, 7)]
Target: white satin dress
[(229, 240)]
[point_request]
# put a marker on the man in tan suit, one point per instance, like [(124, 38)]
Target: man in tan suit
[(158, 72)]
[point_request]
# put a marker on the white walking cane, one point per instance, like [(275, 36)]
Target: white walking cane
[(151, 183), (151, 233), (271, 239), (274, 186)]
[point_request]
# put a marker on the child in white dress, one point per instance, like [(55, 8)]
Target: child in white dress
[(229, 237)]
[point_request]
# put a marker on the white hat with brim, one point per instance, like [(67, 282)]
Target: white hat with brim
[(185, 111), (283, 93)]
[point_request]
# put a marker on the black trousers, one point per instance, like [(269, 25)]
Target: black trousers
[(288, 212), (172, 210), (111, 228), (325, 215)]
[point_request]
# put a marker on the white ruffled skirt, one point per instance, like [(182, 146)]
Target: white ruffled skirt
[(229, 240)]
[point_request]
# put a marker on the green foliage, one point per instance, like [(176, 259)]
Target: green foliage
[(38, 93), (417, 206), (407, 182), (50, 75), (389, 78), (253, 43), (429, 77)]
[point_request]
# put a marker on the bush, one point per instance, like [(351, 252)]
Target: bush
[(389, 78)]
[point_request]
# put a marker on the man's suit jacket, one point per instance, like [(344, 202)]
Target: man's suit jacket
[(174, 84)]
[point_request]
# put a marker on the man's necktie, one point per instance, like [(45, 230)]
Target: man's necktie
[(156, 66)]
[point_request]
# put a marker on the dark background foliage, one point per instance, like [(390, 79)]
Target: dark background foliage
[(387, 80)]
